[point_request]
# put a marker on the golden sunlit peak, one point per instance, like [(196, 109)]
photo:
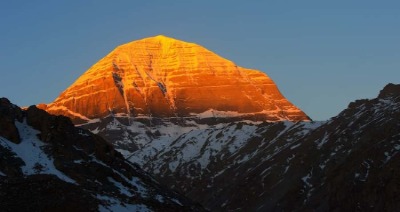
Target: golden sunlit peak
[(165, 41), (162, 39), (162, 76)]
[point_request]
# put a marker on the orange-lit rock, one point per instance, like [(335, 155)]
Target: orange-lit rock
[(164, 77)]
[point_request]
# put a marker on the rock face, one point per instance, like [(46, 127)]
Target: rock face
[(46, 163), (164, 77), (8, 114)]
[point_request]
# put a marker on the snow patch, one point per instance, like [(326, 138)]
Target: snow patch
[(159, 198), (323, 141), (30, 150), (121, 188), (111, 204), (295, 146), (306, 178)]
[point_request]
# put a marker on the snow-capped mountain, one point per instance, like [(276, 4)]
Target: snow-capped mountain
[(167, 78), (47, 164), (226, 137)]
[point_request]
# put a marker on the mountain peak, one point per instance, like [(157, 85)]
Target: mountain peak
[(163, 37), (158, 39), (390, 90), (164, 77)]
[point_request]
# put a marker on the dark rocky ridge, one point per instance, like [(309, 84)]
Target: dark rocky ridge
[(8, 114), (390, 90), (101, 177), (44, 193), (350, 163)]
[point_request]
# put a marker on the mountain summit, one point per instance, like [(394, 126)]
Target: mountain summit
[(165, 77)]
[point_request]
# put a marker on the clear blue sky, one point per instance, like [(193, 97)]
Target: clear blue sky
[(321, 54)]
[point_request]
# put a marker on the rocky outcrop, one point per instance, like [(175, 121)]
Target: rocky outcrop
[(390, 90), (70, 169), (8, 114), (164, 77)]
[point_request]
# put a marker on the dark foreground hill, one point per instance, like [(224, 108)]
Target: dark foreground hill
[(47, 164)]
